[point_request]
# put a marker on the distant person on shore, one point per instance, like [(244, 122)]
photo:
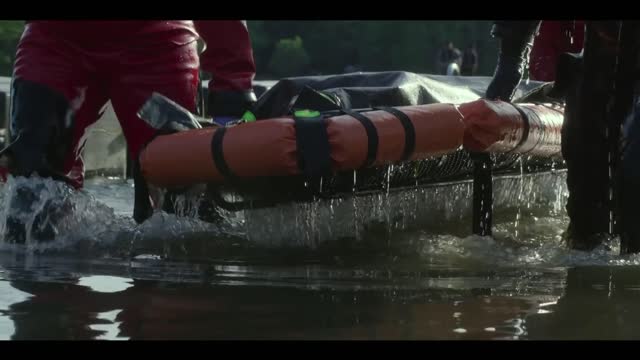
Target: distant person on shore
[(353, 61), (469, 61), (447, 56), (351, 69)]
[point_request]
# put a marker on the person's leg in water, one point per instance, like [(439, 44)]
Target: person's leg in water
[(584, 135), (626, 111), (170, 66), (54, 98), (585, 143), (163, 67)]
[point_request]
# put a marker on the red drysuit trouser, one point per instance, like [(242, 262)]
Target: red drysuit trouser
[(89, 76)]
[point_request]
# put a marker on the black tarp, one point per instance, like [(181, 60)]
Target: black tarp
[(391, 88)]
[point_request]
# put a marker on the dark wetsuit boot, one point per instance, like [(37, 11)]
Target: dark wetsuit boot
[(586, 142), (40, 131), (628, 170)]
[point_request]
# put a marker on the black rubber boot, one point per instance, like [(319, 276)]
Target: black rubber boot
[(627, 102), (630, 187), (586, 143), (40, 136)]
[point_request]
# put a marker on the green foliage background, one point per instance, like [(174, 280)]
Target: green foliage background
[(304, 47)]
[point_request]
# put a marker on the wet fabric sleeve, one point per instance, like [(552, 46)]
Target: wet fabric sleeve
[(228, 55), (554, 39)]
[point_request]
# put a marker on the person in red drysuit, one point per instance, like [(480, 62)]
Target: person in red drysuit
[(66, 71), (86, 63), (553, 39), (590, 130)]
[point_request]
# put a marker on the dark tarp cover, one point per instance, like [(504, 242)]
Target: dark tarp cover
[(391, 88)]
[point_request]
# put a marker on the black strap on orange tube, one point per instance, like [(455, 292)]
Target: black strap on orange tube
[(409, 131), (218, 153), (372, 136), (312, 140)]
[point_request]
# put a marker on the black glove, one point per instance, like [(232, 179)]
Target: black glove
[(516, 40), (227, 106), (568, 71)]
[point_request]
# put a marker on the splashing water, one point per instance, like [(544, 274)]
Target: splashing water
[(89, 222), (92, 225), (431, 223)]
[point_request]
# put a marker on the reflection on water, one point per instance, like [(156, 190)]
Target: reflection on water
[(105, 284), (317, 302), (180, 279), (217, 301), (8, 295), (63, 309), (110, 329)]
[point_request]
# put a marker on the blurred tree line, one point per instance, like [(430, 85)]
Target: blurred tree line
[(306, 47), (329, 46), (10, 32)]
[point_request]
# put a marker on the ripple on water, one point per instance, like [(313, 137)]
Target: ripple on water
[(396, 226)]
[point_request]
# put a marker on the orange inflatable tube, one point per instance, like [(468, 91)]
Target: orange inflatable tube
[(498, 127), (269, 147)]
